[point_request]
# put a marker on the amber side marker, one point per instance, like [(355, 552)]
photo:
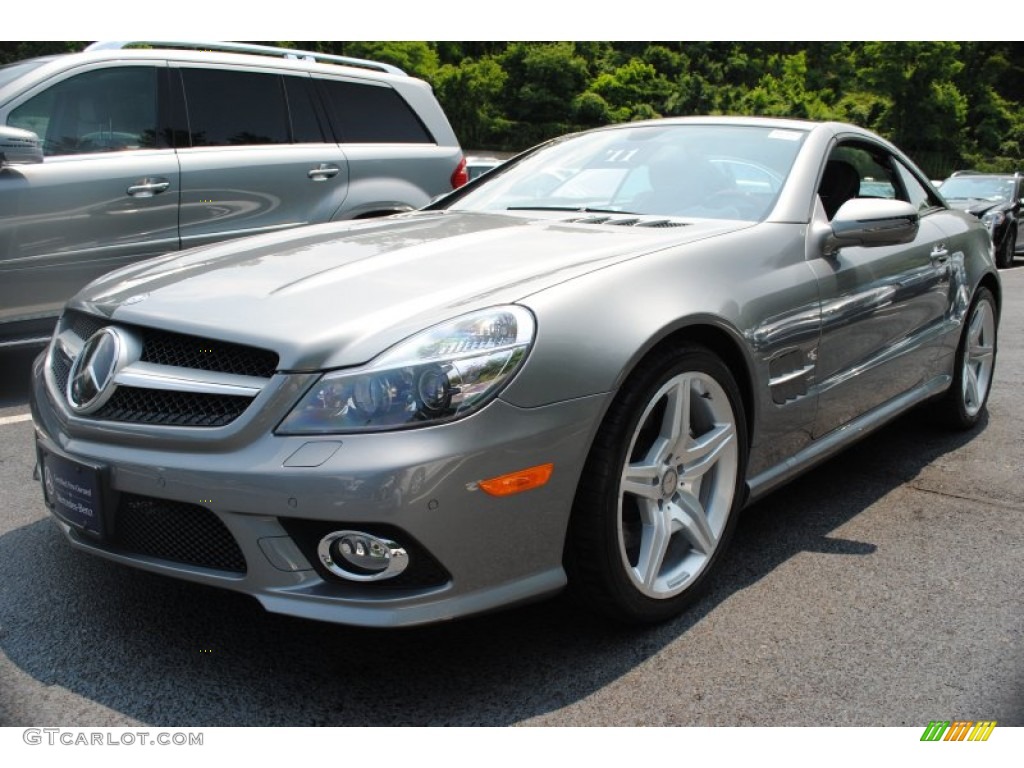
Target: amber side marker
[(517, 482)]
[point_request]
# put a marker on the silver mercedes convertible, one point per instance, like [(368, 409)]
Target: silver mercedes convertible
[(574, 371)]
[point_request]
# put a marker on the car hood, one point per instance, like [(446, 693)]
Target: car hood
[(975, 207), (339, 294)]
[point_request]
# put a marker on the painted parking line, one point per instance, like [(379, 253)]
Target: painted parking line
[(15, 419)]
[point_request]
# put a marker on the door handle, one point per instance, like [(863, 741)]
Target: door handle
[(148, 187), (939, 254), (323, 172)]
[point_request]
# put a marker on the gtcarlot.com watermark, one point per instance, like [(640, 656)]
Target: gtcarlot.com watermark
[(79, 737)]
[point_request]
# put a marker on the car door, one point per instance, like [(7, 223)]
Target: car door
[(884, 308), (258, 159), (105, 194)]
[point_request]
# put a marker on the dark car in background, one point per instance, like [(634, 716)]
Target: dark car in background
[(994, 198)]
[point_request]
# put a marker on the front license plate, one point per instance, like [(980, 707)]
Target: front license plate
[(75, 491)]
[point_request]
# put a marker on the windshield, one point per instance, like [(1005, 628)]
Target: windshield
[(706, 171), (994, 189)]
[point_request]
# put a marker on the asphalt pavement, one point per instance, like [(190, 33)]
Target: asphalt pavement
[(884, 588)]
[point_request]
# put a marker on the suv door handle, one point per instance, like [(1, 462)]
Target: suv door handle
[(148, 187), (939, 254), (323, 172)]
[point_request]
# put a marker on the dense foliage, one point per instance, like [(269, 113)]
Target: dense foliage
[(948, 104)]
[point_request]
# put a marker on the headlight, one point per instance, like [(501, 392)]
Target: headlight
[(993, 219), (439, 375)]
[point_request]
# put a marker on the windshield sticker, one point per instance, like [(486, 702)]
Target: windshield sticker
[(785, 135)]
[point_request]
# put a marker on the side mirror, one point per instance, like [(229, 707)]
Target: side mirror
[(19, 147), (872, 222)]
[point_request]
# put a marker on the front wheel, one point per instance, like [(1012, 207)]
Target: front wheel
[(658, 498)]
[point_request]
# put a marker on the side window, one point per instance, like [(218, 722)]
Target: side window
[(105, 110), (228, 108), (305, 123), (917, 195), (854, 171), (362, 113)]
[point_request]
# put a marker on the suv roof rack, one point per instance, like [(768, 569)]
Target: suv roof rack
[(263, 50)]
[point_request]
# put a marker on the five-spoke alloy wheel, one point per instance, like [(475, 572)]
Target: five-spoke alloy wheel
[(975, 363), (664, 479)]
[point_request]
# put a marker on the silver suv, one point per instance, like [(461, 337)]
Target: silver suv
[(116, 154)]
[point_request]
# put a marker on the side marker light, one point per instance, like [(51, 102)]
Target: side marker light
[(517, 482)]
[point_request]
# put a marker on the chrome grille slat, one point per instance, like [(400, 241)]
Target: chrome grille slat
[(179, 380)]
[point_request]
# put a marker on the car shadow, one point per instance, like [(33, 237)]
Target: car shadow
[(165, 652)]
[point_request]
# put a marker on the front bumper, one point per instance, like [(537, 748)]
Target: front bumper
[(270, 493)]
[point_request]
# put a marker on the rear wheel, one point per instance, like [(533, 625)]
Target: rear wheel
[(658, 498), (975, 364)]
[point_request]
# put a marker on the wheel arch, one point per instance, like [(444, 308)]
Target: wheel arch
[(717, 339), (590, 542), (991, 282)]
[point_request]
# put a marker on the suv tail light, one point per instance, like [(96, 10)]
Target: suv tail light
[(460, 176)]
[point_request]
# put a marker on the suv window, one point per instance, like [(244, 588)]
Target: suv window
[(105, 110), (228, 108), (306, 126), (363, 113)]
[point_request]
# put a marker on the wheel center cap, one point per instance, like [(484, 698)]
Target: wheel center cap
[(669, 483)]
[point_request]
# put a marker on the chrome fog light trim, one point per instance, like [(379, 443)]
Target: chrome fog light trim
[(359, 556)]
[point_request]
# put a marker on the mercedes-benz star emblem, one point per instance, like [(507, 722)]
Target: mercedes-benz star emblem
[(90, 383), (51, 489)]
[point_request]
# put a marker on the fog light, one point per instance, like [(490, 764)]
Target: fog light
[(361, 556)]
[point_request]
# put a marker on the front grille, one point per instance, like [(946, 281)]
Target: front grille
[(206, 354), (135, 405), (178, 409), (176, 531), (61, 369), (83, 325)]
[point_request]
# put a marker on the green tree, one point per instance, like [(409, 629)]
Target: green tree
[(635, 90), (470, 92), (784, 91), (14, 50), (924, 112), (542, 79), (417, 58)]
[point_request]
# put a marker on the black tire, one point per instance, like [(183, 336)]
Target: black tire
[(974, 366), (690, 488), (1004, 258)]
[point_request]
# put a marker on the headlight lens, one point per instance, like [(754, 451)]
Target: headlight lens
[(439, 375), (993, 219)]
